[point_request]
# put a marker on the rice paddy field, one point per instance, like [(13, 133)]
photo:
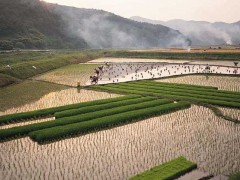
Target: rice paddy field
[(119, 130), (70, 75), (60, 98), (123, 152), (222, 82)]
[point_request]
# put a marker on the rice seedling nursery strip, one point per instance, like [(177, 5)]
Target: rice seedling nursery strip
[(19, 117), (179, 86), (121, 90), (167, 171), (50, 134), (94, 108), (6, 134), (176, 92), (175, 89), (173, 95)]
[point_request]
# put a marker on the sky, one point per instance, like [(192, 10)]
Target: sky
[(200, 10)]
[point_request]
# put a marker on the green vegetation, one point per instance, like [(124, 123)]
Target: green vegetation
[(175, 55), (25, 92), (11, 118), (16, 57), (6, 80), (222, 98), (174, 85), (30, 24), (187, 87), (70, 75), (196, 93), (19, 131), (167, 171), (235, 176), (26, 69), (93, 108), (79, 69), (50, 134)]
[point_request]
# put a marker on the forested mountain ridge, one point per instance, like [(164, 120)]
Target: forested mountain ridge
[(35, 24), (202, 33)]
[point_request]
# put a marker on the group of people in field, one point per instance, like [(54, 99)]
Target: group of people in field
[(116, 72), (98, 72)]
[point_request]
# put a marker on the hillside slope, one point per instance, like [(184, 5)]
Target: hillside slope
[(37, 24), (33, 24), (102, 29), (202, 33)]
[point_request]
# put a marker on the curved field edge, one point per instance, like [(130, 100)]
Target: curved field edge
[(6, 80), (167, 171), (25, 92)]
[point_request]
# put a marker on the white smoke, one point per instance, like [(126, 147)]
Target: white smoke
[(101, 29)]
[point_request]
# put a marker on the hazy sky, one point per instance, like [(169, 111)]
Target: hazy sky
[(204, 10)]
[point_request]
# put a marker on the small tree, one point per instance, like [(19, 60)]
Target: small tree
[(236, 63), (6, 45), (20, 45)]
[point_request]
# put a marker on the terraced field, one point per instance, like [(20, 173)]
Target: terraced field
[(84, 117), (143, 100), (70, 75), (122, 152), (194, 94)]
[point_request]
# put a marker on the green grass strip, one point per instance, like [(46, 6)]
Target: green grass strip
[(88, 109), (126, 91), (104, 122), (188, 87), (167, 171), (170, 95), (186, 94), (182, 86), (216, 93), (15, 132), (24, 116)]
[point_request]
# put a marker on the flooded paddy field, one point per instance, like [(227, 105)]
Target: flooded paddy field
[(122, 152), (137, 60), (123, 72), (233, 113), (222, 82)]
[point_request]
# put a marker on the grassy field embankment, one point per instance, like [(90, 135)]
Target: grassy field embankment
[(175, 55), (17, 66)]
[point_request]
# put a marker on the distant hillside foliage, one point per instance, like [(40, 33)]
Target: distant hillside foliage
[(202, 33), (34, 24)]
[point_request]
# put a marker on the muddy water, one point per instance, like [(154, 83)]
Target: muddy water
[(136, 60), (122, 152), (123, 72), (233, 113)]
